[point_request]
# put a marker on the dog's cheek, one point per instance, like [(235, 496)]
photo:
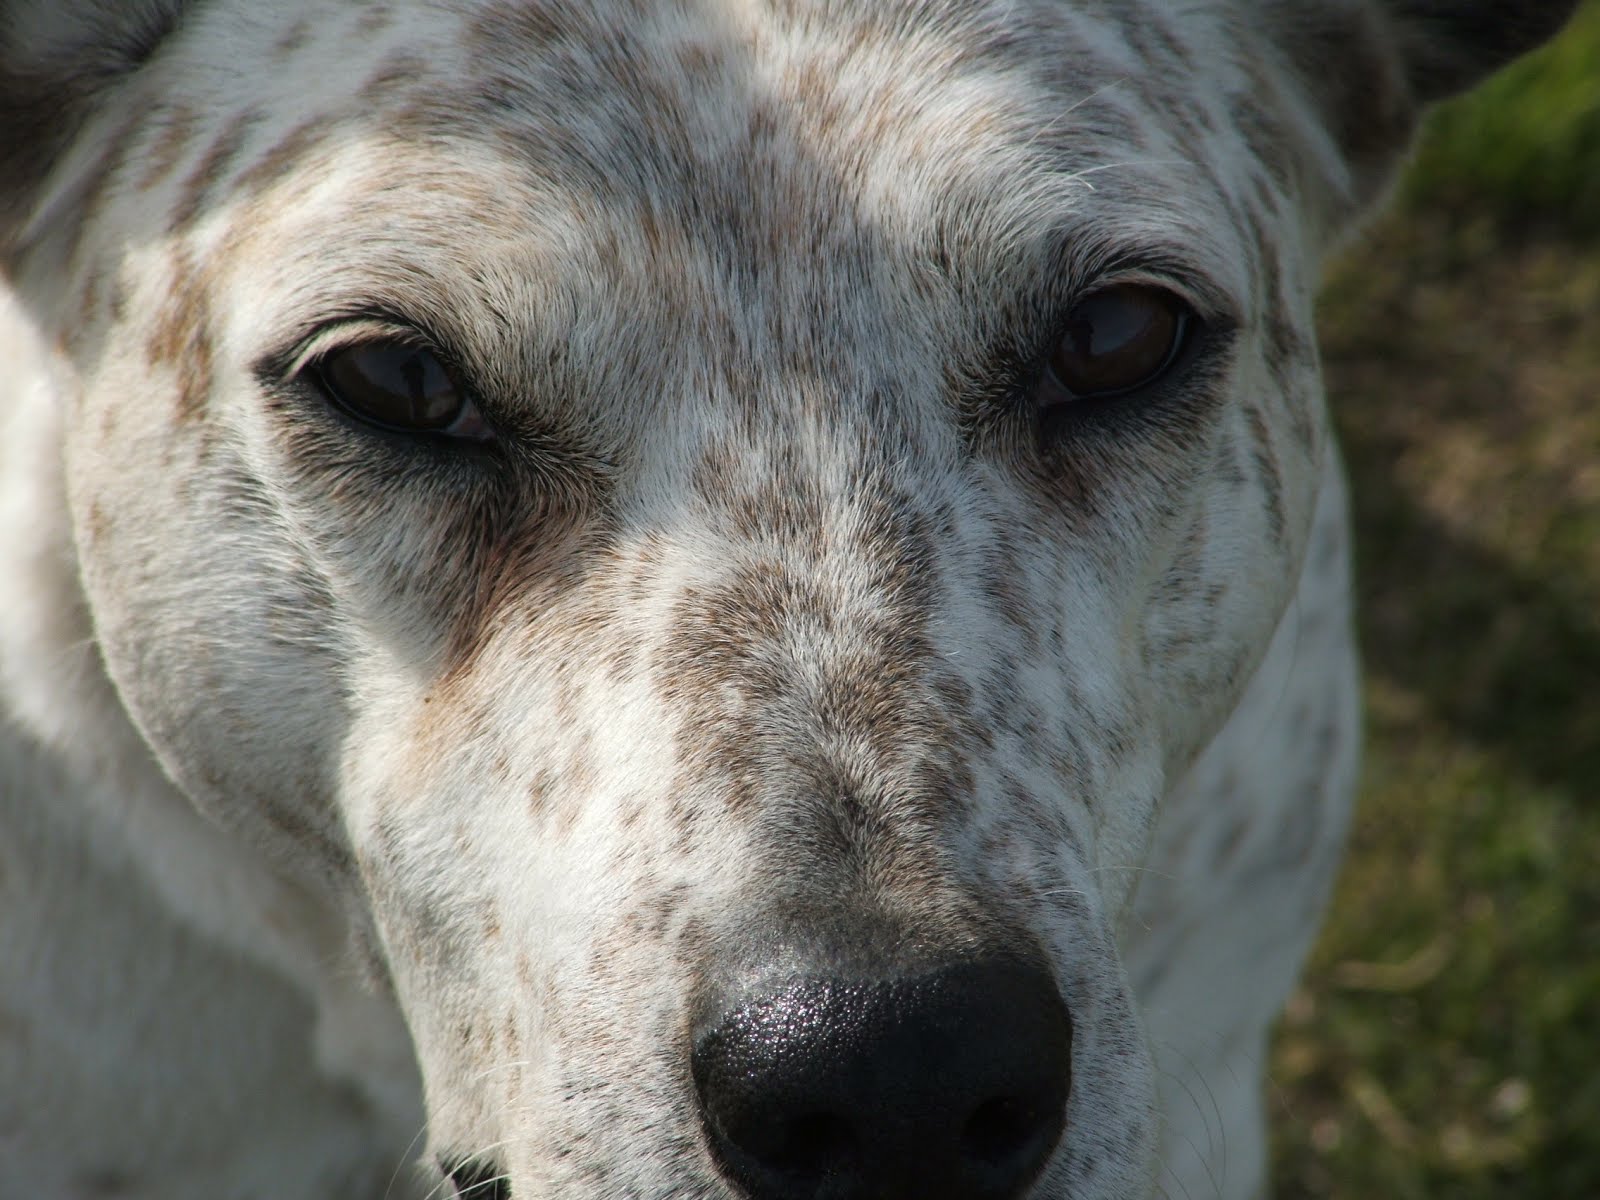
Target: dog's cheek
[(1236, 558), (214, 629)]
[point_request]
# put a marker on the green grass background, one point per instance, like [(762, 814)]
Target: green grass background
[(1446, 1040)]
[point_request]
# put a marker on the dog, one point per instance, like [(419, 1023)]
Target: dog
[(703, 599)]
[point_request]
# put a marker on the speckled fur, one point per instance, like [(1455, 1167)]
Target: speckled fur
[(353, 787)]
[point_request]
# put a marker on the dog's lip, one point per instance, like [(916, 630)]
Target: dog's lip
[(475, 1178)]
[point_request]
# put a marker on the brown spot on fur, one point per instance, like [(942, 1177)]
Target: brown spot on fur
[(394, 74), (1267, 471), (292, 40), (117, 301), (539, 788), (1266, 139), (502, 24), (1170, 44), (203, 181), (374, 19), (180, 338), (89, 297), (700, 58), (317, 835), (1144, 28), (511, 561), (772, 646), (95, 523), (276, 163), (1290, 355), (1287, 348), (160, 156)]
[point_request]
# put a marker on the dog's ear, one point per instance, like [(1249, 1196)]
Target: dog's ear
[(1449, 45), (59, 60), (1370, 67)]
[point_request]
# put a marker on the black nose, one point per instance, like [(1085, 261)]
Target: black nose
[(950, 1085)]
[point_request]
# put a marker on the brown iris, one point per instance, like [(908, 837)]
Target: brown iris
[(399, 385), (1118, 340)]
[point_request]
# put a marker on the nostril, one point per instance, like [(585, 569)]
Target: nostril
[(1004, 1129), (808, 1146), (776, 1139)]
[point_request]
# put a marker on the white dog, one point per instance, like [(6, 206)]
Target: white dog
[(703, 599)]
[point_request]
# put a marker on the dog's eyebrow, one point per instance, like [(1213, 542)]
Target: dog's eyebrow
[(1066, 264), (290, 354), (1051, 258), (316, 326), (1080, 262)]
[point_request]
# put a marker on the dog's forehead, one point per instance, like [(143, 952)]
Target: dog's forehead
[(766, 173)]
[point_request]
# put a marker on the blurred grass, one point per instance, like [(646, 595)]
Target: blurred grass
[(1525, 146), (1446, 1042)]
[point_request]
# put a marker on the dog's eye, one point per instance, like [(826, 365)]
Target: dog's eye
[(401, 386), (1116, 340)]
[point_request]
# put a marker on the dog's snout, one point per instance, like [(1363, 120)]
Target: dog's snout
[(951, 1083)]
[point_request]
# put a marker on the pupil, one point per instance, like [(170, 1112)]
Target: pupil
[(1111, 325), (1080, 331), (408, 382), (414, 371)]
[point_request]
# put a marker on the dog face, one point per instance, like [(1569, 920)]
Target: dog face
[(672, 514)]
